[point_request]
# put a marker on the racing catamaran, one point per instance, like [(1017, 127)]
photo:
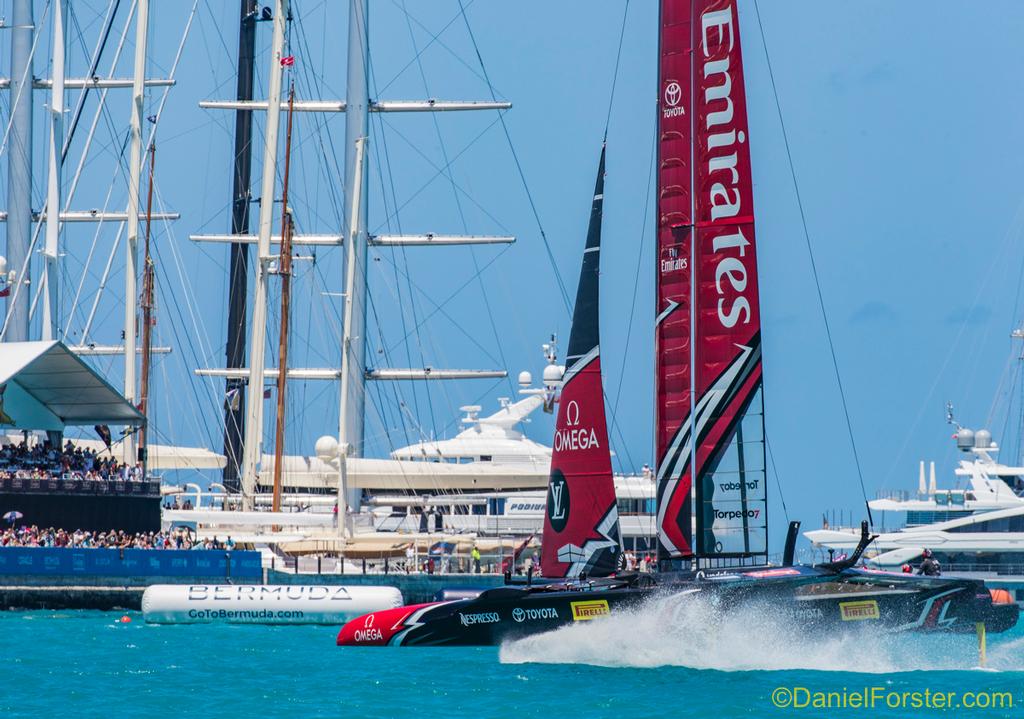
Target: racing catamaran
[(709, 400)]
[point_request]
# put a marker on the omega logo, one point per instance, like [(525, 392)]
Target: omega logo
[(572, 414)]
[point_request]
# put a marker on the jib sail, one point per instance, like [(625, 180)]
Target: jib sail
[(581, 525)]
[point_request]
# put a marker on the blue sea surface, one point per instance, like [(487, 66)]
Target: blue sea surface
[(87, 664)]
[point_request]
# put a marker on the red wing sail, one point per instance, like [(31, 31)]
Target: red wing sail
[(728, 404), (673, 398), (581, 526)]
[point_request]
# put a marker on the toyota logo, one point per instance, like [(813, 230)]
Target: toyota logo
[(518, 614), (673, 94)]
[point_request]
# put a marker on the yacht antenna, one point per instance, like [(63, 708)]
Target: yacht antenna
[(949, 416)]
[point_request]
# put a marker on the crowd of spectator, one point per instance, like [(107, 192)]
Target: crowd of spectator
[(181, 538), (45, 461)]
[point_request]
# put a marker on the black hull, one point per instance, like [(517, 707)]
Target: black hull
[(814, 601)]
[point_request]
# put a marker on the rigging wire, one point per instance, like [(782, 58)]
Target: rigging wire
[(636, 277), (775, 471), (615, 73), (519, 166), (434, 38), (462, 215), (439, 306), (402, 307), (814, 269), (438, 172), (394, 264), (93, 65), (615, 427)]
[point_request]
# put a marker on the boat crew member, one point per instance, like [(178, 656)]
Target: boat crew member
[(930, 566), (475, 555)]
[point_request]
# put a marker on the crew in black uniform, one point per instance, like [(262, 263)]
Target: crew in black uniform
[(930, 566)]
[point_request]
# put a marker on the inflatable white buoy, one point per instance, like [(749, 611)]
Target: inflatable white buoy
[(263, 604)]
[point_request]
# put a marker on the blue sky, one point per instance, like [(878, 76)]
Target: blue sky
[(902, 121)]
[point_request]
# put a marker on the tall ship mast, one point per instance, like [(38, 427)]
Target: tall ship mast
[(238, 279), (354, 239)]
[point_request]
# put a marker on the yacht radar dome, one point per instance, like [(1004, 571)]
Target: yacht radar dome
[(553, 374), (525, 379), (964, 439), (326, 448), (982, 439)]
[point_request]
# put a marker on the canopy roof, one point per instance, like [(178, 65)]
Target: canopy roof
[(44, 385)]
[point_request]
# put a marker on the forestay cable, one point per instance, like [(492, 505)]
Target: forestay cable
[(814, 269)]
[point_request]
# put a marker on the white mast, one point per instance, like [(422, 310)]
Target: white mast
[(350, 362), (254, 391), (19, 169), (131, 298), (53, 202), (357, 109)]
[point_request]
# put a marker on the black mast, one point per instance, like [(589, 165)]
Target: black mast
[(234, 412)]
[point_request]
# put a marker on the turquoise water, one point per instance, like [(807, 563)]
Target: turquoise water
[(85, 664)]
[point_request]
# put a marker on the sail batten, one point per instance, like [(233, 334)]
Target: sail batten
[(581, 525)]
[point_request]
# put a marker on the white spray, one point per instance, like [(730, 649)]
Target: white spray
[(691, 631)]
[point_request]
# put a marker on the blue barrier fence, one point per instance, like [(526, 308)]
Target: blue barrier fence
[(37, 561)]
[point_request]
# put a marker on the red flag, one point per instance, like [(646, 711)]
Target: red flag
[(288, 61), (6, 291)]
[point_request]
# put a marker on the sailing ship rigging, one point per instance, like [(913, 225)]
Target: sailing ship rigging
[(354, 372)]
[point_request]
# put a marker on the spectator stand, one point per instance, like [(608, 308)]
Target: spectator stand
[(44, 389)]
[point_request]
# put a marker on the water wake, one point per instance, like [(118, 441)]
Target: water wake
[(690, 631)]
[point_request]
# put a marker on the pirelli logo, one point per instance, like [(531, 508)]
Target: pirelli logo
[(590, 609), (857, 611)]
